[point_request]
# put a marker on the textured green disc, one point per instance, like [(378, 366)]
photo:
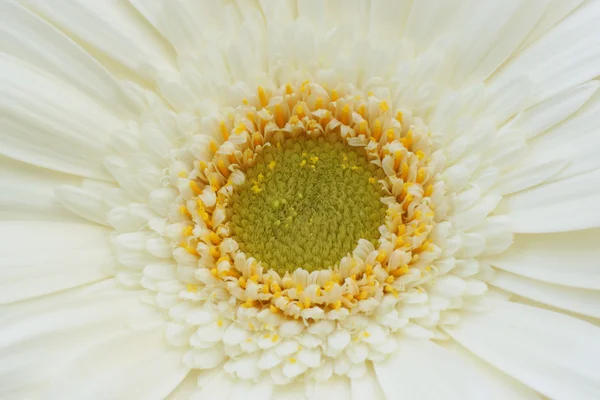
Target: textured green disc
[(306, 203)]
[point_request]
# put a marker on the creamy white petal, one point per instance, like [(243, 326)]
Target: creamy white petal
[(71, 322), (247, 390), (366, 387), (114, 29), (551, 112), (570, 258), (529, 175), (214, 386), (421, 369), (555, 354), (387, 18), (553, 68), (49, 124), (577, 300), (30, 39), (488, 32), (335, 387), (38, 258), (555, 12), (576, 140), (146, 369), (186, 387), (429, 19), (565, 205), (27, 192)]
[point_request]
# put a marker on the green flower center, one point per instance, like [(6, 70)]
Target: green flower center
[(306, 203)]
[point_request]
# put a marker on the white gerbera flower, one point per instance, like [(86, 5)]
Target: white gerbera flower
[(299, 199)]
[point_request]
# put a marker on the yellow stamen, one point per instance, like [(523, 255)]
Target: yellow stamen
[(345, 117), (213, 146), (279, 117), (223, 130), (376, 134), (262, 97), (192, 288), (334, 95)]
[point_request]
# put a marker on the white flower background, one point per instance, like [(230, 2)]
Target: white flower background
[(97, 99)]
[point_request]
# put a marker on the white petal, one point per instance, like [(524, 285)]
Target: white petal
[(38, 258), (555, 354), (216, 387), (30, 39), (581, 301), (487, 34), (366, 387), (186, 388), (421, 369), (336, 387), (41, 336), (247, 390), (529, 175), (27, 192), (576, 140), (67, 132), (147, 368), (551, 112), (339, 339), (556, 11), (114, 29), (569, 204), (83, 203), (554, 69), (570, 258)]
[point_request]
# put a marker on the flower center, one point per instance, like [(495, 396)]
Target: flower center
[(306, 203)]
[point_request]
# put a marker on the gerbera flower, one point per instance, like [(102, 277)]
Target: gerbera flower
[(299, 199)]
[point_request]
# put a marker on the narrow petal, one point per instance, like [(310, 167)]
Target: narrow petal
[(556, 11), (580, 301), (570, 259), (43, 335), (553, 68), (565, 205), (146, 369), (366, 387), (421, 369), (555, 354), (38, 258), (30, 39), (553, 111), (27, 192), (576, 139), (49, 124), (113, 28)]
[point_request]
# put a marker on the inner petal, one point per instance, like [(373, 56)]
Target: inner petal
[(306, 203)]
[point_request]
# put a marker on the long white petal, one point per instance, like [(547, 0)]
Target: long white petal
[(570, 258), (555, 354), (576, 140), (32, 40), (38, 258), (27, 192), (113, 28), (555, 68), (566, 205), (137, 364), (49, 124), (421, 369), (580, 301), (43, 335)]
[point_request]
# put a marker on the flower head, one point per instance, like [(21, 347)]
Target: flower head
[(258, 199)]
